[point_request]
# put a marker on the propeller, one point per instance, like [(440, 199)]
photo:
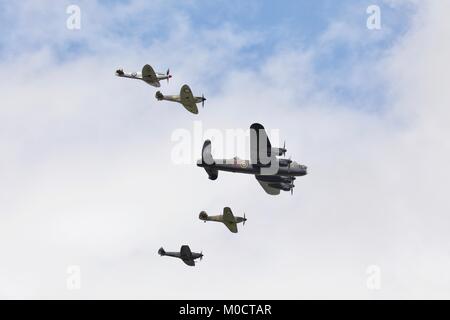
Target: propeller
[(201, 255), (168, 75), (292, 185), (245, 219), (284, 148), (203, 100)]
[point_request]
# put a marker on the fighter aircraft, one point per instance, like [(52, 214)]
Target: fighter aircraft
[(273, 174), (227, 218), (147, 75), (186, 98), (185, 254)]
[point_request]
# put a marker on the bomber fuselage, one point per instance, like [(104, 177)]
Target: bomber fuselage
[(244, 166)]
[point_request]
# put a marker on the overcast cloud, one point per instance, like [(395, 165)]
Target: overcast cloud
[(87, 179)]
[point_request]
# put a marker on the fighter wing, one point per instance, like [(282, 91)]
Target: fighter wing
[(229, 220), (228, 215), (185, 252), (268, 189), (148, 74), (232, 226), (189, 262), (187, 99), (260, 145)]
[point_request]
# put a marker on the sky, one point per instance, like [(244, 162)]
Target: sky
[(89, 189)]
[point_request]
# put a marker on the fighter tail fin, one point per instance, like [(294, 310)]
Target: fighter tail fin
[(159, 95)]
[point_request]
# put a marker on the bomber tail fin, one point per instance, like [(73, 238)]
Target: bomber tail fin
[(207, 157), (212, 172), (208, 161)]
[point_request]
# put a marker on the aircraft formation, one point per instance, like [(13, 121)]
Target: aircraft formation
[(274, 174), (149, 76)]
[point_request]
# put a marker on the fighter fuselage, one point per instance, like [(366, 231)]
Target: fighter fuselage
[(219, 218), (138, 76), (175, 98), (192, 256)]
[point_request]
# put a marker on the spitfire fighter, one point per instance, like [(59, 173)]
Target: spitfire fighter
[(273, 174), (185, 254), (227, 218), (148, 75), (186, 98)]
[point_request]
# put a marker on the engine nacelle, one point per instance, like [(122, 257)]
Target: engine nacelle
[(284, 162), (161, 252), (278, 151), (283, 186), (276, 179)]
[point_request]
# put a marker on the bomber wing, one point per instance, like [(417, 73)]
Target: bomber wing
[(260, 146), (270, 190)]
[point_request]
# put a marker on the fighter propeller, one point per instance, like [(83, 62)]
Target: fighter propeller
[(168, 75), (203, 100)]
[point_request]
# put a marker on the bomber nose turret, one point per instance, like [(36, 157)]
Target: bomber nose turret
[(304, 169)]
